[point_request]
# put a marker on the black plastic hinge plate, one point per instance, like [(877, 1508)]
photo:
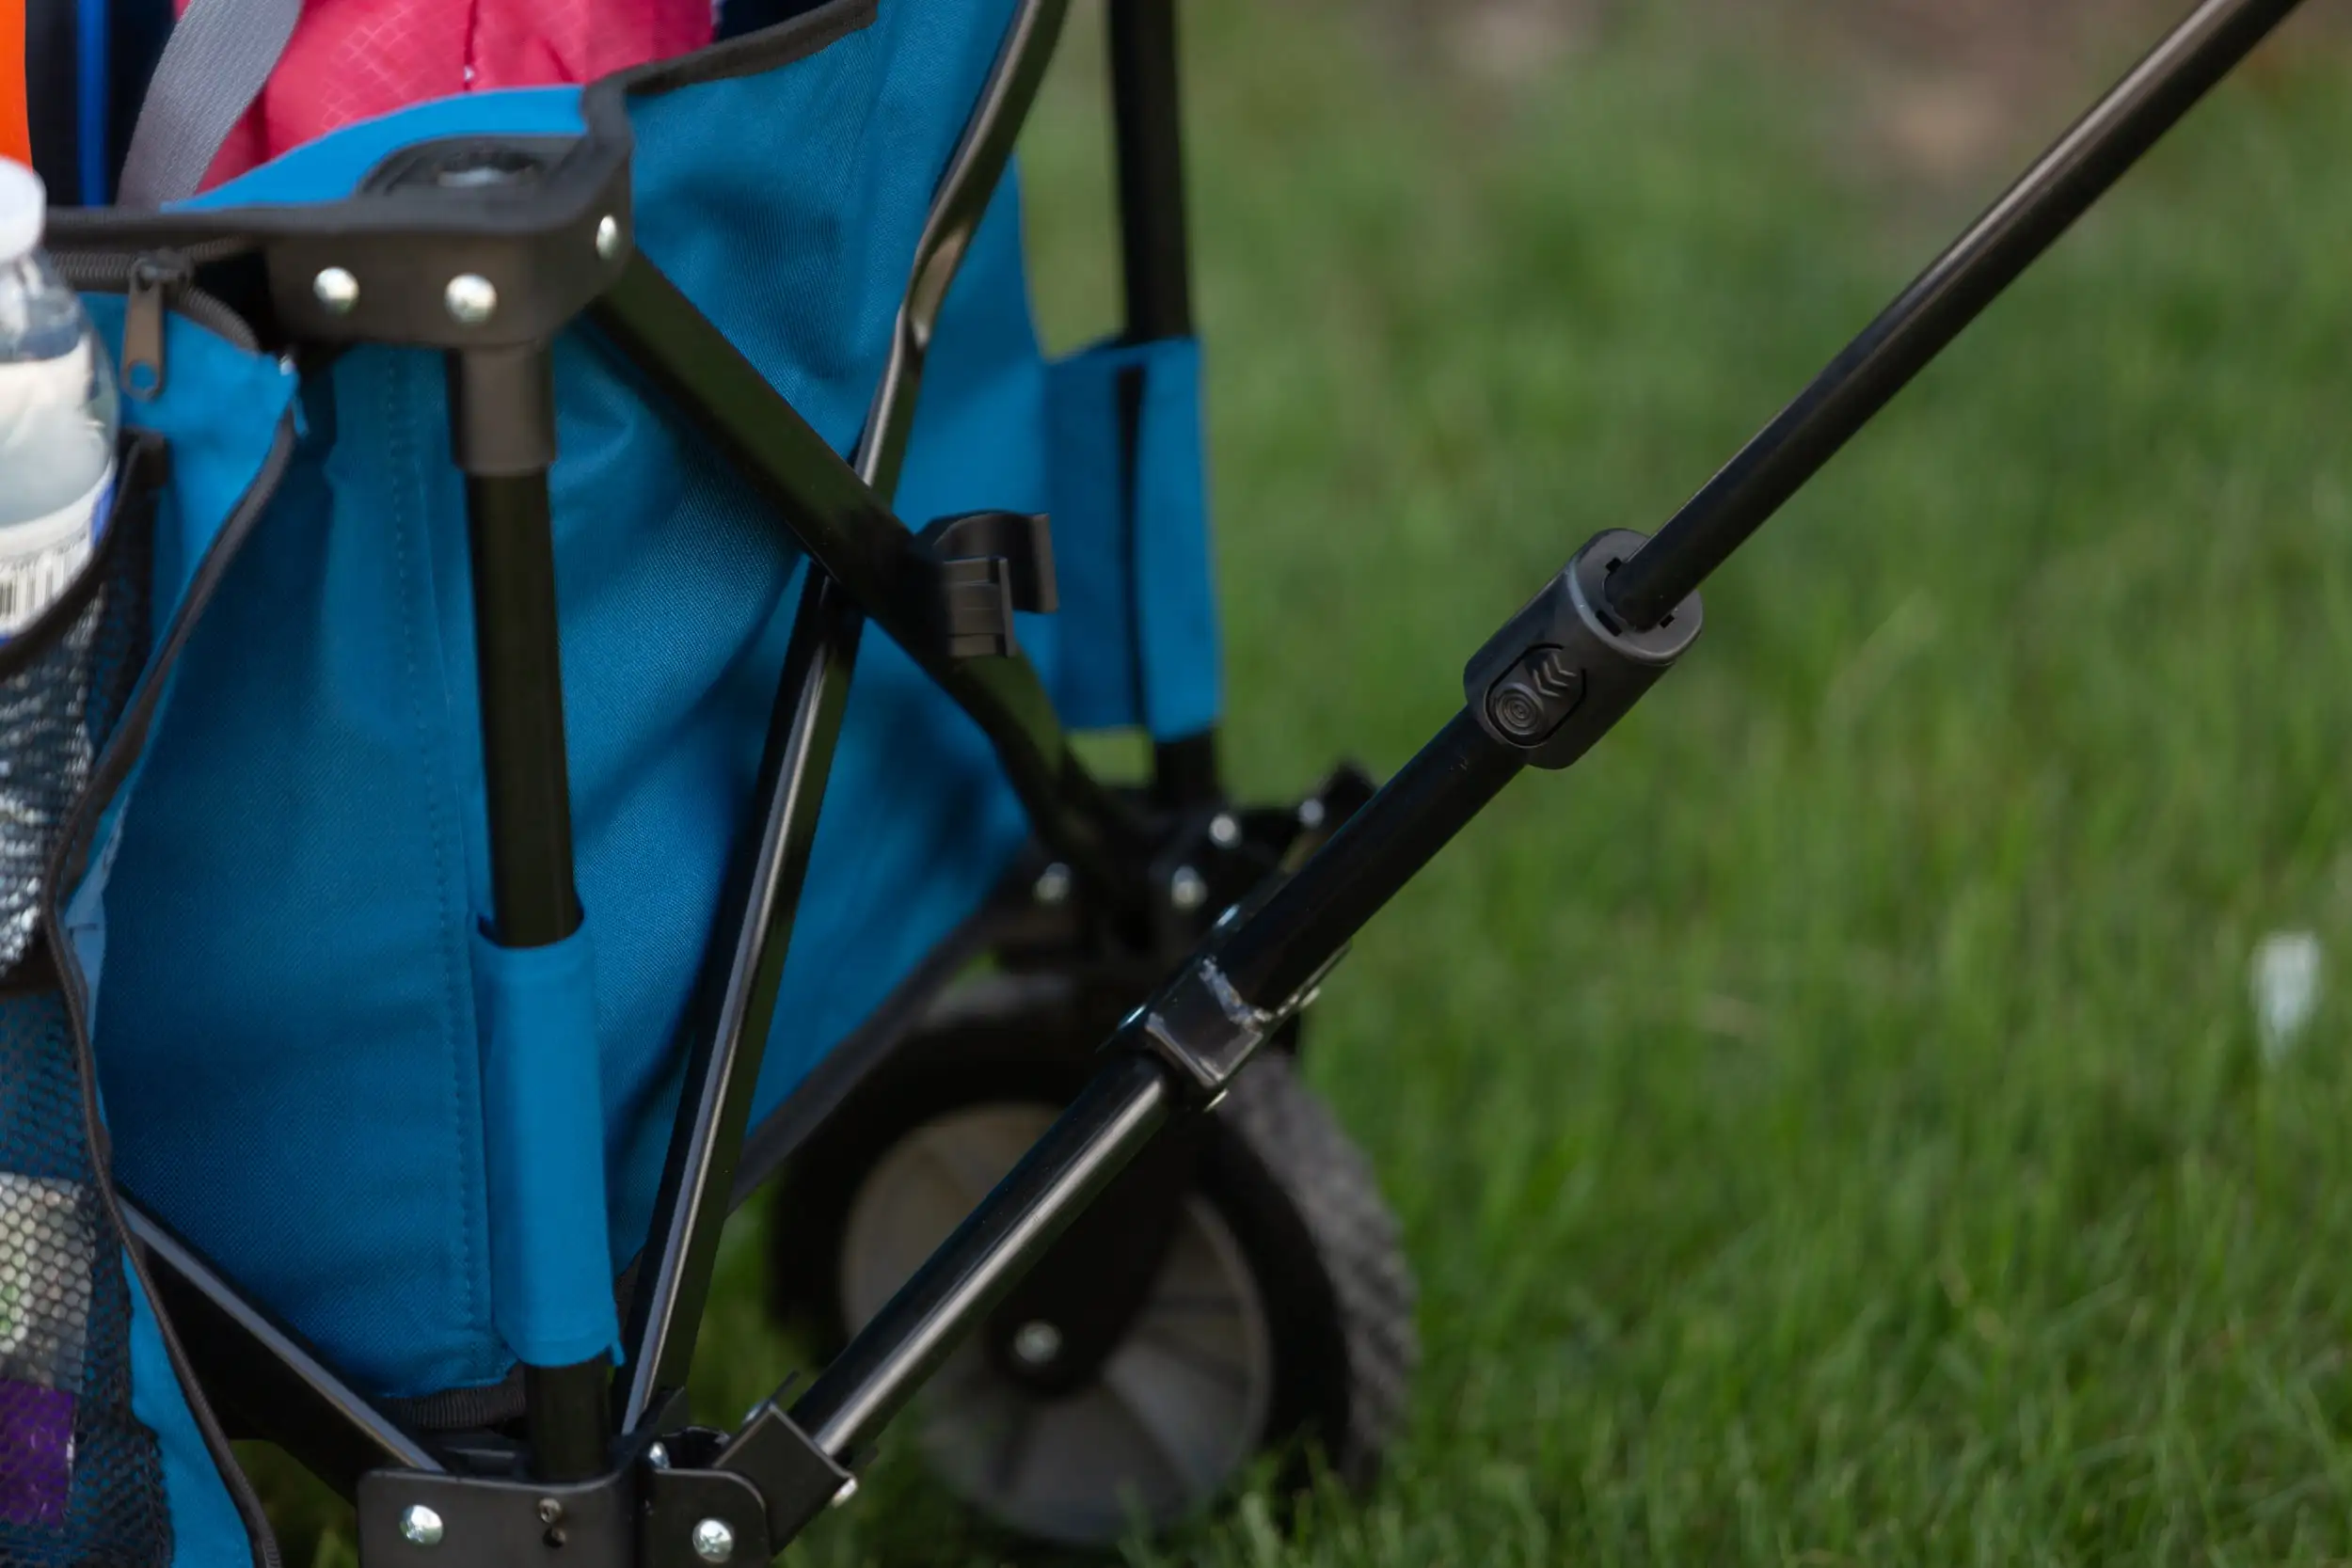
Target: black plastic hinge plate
[(991, 563), (414, 1520)]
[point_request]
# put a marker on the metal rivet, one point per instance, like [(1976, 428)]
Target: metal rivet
[(470, 298), (713, 1541), (658, 1457), (549, 1511), (607, 236), (336, 289), (1223, 830), (1053, 884), (848, 1490), (1311, 814), (1036, 1343), (420, 1525), (1188, 889)]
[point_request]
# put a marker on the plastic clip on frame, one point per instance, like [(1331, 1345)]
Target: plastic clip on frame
[(488, 270)]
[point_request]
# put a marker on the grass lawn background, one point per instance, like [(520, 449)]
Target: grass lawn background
[(1828, 1123)]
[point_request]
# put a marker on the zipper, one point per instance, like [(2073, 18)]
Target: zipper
[(154, 284), (68, 867)]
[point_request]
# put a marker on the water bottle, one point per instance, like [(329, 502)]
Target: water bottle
[(58, 416)]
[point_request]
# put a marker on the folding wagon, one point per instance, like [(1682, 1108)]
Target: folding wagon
[(496, 871)]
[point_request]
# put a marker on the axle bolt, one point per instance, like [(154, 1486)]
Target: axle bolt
[(713, 1541), (1037, 1343), (420, 1525)]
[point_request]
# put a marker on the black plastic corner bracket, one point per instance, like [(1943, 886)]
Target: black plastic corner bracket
[(991, 563), (468, 242), (681, 1507), (1565, 670)]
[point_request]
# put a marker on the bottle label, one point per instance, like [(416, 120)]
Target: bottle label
[(41, 559)]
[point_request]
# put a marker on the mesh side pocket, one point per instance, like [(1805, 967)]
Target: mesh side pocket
[(81, 1479)]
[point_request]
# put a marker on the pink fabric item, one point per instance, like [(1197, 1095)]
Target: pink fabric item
[(354, 59)]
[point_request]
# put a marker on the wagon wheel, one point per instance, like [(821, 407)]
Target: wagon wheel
[(1281, 1311)]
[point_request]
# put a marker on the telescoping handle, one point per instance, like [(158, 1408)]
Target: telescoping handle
[(1556, 679)]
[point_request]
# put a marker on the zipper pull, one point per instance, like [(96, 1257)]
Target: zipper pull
[(156, 280)]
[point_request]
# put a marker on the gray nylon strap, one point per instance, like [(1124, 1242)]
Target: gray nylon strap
[(214, 65)]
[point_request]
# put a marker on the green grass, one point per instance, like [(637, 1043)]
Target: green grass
[(1827, 1124)]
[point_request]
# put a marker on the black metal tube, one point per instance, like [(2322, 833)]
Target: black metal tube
[(690, 1209), (1155, 268), (502, 431), (954, 1290), (1947, 296), (518, 669), (1148, 128), (567, 1410), (1280, 945)]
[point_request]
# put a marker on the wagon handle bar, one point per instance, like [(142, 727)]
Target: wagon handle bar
[(1953, 292)]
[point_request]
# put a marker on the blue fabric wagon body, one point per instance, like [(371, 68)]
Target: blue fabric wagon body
[(312, 1065)]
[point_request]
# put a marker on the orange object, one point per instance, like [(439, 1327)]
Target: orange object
[(16, 131)]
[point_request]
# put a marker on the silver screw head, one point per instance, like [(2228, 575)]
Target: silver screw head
[(549, 1511), (470, 298), (1053, 884), (336, 289), (1036, 1343), (1188, 889), (607, 236), (713, 1541), (1223, 830), (420, 1525), (1311, 814), (658, 1456)]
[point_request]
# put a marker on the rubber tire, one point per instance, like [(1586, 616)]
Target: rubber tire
[(1300, 1199)]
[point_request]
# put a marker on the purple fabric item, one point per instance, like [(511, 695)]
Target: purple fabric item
[(35, 1453)]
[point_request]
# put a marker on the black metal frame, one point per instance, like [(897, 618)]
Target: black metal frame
[(631, 1483)]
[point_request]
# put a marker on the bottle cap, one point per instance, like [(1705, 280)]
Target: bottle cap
[(23, 207)]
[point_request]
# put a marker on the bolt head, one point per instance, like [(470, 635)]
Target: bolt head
[(1311, 814), (420, 1525), (1037, 1343), (337, 290), (1188, 889), (713, 1541), (471, 299), (549, 1511), (1053, 884), (607, 236), (1223, 830), (658, 1456)]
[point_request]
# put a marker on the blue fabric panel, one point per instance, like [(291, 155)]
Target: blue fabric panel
[(543, 1125), (207, 1531), (332, 166), (292, 907), (1131, 550), (221, 410)]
